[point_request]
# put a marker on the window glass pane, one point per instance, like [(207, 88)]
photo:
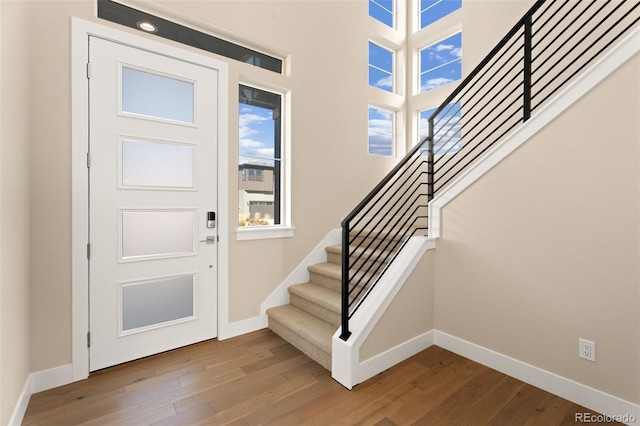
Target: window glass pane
[(260, 157), (382, 10), (157, 233), (381, 132), (441, 63), (156, 302), (157, 96), (432, 10), (447, 128), (157, 164), (380, 67)]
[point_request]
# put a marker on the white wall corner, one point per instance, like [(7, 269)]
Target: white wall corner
[(575, 90), (346, 366), (568, 389)]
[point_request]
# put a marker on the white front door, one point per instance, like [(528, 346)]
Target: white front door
[(152, 197)]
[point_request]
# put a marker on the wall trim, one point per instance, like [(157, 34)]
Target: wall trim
[(597, 72), (38, 382), (21, 405), (346, 367), (568, 389), (375, 365)]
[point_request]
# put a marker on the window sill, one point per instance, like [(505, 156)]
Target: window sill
[(263, 232)]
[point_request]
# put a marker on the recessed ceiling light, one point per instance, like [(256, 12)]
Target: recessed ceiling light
[(147, 26)]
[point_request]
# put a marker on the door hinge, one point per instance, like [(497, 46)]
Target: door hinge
[(88, 70), (88, 339), (88, 160), (88, 251)]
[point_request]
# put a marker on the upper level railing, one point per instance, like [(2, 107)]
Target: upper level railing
[(552, 43)]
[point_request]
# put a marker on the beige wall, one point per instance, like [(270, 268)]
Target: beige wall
[(409, 315), (326, 41), (14, 203), (544, 249)]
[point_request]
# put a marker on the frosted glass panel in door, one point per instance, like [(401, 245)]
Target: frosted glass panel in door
[(157, 96), (155, 302), (157, 234), (157, 164)]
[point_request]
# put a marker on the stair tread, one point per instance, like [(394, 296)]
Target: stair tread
[(305, 325), (319, 295)]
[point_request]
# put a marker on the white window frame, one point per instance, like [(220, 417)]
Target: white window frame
[(285, 228)]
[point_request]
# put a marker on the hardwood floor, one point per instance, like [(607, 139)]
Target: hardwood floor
[(259, 378)]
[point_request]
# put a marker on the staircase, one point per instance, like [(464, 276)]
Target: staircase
[(314, 314)]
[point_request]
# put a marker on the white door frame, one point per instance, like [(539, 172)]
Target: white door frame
[(81, 30)]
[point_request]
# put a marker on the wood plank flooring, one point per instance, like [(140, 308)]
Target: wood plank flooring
[(259, 378)]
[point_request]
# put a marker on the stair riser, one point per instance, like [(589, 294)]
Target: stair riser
[(316, 310), (308, 348), (325, 281)]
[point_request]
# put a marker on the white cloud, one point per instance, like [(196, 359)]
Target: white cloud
[(385, 82), (435, 82)]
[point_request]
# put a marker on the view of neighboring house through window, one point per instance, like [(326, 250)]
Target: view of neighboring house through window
[(381, 132), (447, 128), (433, 10), (441, 63), (382, 10), (260, 160), (380, 67)]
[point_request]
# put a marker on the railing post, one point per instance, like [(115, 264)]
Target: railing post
[(528, 34), (344, 335), (430, 165)]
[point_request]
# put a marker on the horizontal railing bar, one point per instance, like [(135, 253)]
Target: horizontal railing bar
[(478, 145), (497, 104), (586, 63), (535, 69), (535, 44), (481, 110), (383, 182), (381, 194), (518, 26), (489, 68), (391, 215), (491, 144), (371, 218), (536, 19)]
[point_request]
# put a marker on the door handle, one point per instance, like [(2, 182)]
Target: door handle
[(211, 239)]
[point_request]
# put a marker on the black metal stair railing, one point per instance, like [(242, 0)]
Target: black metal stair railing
[(546, 49)]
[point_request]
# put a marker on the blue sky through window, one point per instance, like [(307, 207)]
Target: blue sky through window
[(441, 63), (257, 139), (433, 10), (380, 132), (382, 10), (447, 128), (380, 67)]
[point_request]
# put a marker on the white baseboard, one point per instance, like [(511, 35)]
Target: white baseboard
[(51, 378), (239, 328), (38, 382), (393, 356), (568, 389), (21, 405)]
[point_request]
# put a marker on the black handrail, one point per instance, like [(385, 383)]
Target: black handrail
[(520, 74)]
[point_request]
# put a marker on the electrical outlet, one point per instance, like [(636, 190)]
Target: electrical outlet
[(587, 349)]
